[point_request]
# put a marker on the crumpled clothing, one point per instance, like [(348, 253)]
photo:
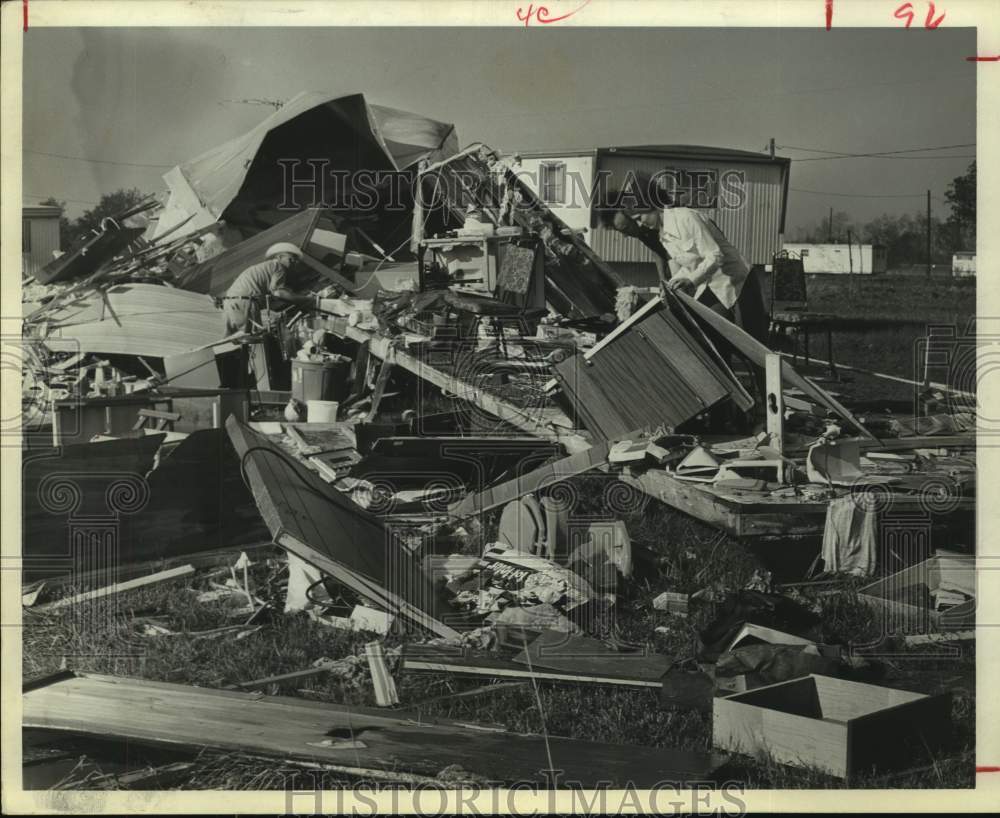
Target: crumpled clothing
[(849, 537)]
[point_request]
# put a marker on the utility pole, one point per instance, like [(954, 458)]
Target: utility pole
[(829, 228), (928, 234), (770, 147), (850, 262)]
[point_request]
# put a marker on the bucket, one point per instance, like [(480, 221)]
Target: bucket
[(320, 380), (321, 411)]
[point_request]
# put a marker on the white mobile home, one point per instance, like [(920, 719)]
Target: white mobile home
[(963, 264), (39, 237), (744, 192), (844, 259)]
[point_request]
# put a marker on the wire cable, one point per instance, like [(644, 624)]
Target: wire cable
[(95, 161), (877, 153), (538, 700), (860, 195)]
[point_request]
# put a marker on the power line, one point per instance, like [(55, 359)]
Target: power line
[(74, 201), (96, 161), (861, 195), (881, 154)]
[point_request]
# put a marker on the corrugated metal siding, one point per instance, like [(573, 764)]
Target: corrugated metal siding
[(44, 241), (753, 228)]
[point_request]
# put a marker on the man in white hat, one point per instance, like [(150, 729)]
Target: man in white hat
[(243, 300)]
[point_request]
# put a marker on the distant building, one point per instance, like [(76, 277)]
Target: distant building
[(39, 237), (859, 259), (963, 264), (745, 193)]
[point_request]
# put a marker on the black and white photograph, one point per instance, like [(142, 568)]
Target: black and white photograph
[(578, 406)]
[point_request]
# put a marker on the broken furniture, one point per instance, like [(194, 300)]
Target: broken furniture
[(796, 324), (790, 315), (652, 370), (327, 530), (362, 741), (578, 283), (840, 727), (78, 420)]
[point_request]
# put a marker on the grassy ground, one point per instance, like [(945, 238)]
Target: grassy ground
[(674, 553), (904, 306)]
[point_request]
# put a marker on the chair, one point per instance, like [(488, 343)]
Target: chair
[(790, 316)]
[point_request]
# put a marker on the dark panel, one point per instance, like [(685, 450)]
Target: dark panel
[(650, 375), (216, 275)]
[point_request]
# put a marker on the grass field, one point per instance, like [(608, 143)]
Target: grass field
[(680, 555)]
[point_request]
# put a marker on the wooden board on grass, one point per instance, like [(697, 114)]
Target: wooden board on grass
[(180, 716)]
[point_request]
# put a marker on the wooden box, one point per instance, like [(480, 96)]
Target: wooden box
[(898, 617), (837, 726)]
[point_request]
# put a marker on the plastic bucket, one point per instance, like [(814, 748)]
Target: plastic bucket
[(322, 380), (321, 411)]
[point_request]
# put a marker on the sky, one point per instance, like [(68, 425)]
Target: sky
[(128, 104)]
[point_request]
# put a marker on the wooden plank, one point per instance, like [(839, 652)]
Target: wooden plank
[(427, 661), (918, 639), (547, 423), (775, 408), (328, 272), (384, 372), (385, 687), (120, 587), (582, 656), (542, 477), (755, 517), (180, 716)]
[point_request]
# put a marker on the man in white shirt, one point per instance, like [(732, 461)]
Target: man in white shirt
[(702, 261)]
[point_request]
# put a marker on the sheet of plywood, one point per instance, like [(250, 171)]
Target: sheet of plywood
[(215, 275), (181, 716)]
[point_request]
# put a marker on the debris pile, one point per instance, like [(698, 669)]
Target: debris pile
[(414, 434)]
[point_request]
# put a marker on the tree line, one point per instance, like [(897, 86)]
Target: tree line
[(905, 235), (71, 231)]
